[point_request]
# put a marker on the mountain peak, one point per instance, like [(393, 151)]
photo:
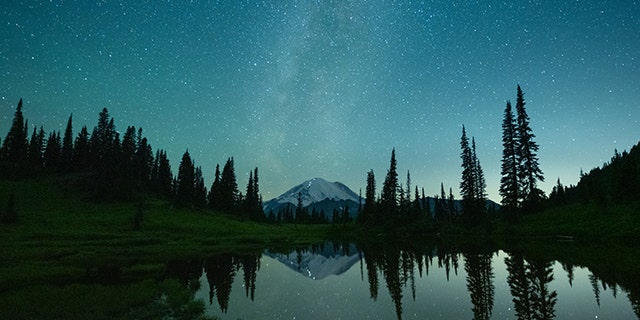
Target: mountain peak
[(313, 190)]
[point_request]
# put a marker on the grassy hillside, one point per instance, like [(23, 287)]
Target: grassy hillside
[(63, 239), (579, 221)]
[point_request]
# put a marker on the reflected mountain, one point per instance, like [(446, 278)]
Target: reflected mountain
[(319, 262), (404, 272)]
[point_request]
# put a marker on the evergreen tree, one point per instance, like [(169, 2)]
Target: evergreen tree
[(126, 160), (249, 200), (229, 195), (417, 204), (389, 197), (252, 205), (52, 152), (472, 186), (103, 138), (467, 185), (81, 154), (67, 146), (408, 187), (368, 211), (259, 211), (451, 210), (15, 147), (36, 149), (143, 162), (162, 175), (480, 182), (214, 193), (529, 171), (186, 181), (200, 191), (509, 185)]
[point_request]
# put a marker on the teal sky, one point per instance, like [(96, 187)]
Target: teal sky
[(307, 89)]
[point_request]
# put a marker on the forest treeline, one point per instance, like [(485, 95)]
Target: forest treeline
[(111, 167), (520, 175)]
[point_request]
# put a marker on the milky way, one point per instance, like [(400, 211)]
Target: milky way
[(307, 89)]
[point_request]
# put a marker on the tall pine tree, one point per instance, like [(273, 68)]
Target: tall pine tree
[(389, 197), (467, 184), (67, 146), (186, 181), (214, 193), (529, 172), (229, 194), (368, 214), (15, 147), (509, 186), (472, 186)]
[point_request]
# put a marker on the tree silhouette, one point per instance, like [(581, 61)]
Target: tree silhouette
[(252, 204), (35, 156), (162, 176), (220, 274), (67, 146), (480, 284), (52, 152), (214, 196), (472, 185), (529, 172), (389, 196), (15, 147), (509, 187), (199, 189), (81, 154), (229, 194), (543, 301), (186, 181)]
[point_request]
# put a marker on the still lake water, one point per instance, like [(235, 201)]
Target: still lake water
[(345, 282)]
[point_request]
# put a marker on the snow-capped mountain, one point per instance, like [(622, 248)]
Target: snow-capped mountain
[(318, 193)]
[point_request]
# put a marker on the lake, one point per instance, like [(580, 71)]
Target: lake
[(345, 281)]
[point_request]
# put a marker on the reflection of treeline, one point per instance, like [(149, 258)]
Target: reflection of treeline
[(398, 269), (528, 277), (112, 166), (221, 271)]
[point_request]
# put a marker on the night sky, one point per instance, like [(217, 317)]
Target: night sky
[(307, 89)]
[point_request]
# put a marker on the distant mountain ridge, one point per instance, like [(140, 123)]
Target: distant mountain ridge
[(319, 194), (325, 196)]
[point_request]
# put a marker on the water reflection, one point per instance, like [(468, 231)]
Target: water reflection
[(480, 283), (529, 285), (428, 281)]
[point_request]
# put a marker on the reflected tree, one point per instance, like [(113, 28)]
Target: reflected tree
[(391, 270), (519, 286), (372, 275), (543, 301), (568, 267), (186, 271), (250, 265), (220, 274), (529, 284), (593, 279), (480, 284)]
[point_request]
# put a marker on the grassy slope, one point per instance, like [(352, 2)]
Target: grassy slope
[(580, 221), (63, 239)]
